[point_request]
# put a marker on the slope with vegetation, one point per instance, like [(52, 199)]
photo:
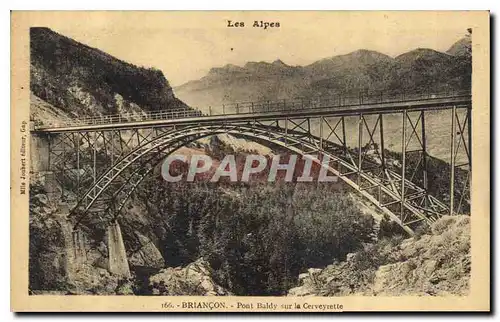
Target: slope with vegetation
[(81, 80)]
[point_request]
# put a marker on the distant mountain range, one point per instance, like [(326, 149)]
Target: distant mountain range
[(420, 70), (81, 80)]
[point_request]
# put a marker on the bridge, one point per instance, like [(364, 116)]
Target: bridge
[(100, 161)]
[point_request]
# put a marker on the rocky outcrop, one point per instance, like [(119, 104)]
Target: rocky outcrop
[(147, 255), (80, 80), (435, 263), (194, 279)]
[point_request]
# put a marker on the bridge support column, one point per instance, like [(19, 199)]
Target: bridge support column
[(118, 264), (79, 252), (452, 159), (39, 153), (71, 265)]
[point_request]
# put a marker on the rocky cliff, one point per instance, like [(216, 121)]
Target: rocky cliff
[(194, 279)]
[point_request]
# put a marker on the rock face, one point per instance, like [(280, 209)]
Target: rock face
[(436, 263), (53, 269), (194, 279), (147, 255)]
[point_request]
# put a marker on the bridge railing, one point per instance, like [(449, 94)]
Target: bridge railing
[(123, 118), (333, 101)]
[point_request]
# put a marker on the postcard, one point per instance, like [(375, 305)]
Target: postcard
[(250, 161)]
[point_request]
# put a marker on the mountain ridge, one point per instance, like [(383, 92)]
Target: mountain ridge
[(421, 69)]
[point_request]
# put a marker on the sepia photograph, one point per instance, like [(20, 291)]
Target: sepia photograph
[(251, 161)]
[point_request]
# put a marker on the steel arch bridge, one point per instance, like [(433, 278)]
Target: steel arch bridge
[(99, 162)]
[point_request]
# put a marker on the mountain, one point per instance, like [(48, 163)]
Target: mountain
[(423, 70), (362, 70), (422, 54), (81, 80), (463, 47), (358, 61), (420, 70), (252, 82)]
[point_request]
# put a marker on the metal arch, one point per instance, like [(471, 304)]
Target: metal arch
[(275, 136), (140, 179), (105, 180), (130, 186), (107, 177), (138, 171)]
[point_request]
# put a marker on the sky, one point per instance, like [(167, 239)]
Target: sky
[(186, 45)]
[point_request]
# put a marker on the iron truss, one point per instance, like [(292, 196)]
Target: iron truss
[(100, 168)]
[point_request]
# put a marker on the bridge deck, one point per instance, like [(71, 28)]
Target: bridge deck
[(372, 108)]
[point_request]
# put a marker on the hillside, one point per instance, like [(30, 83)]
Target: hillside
[(360, 71), (424, 70), (81, 80)]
